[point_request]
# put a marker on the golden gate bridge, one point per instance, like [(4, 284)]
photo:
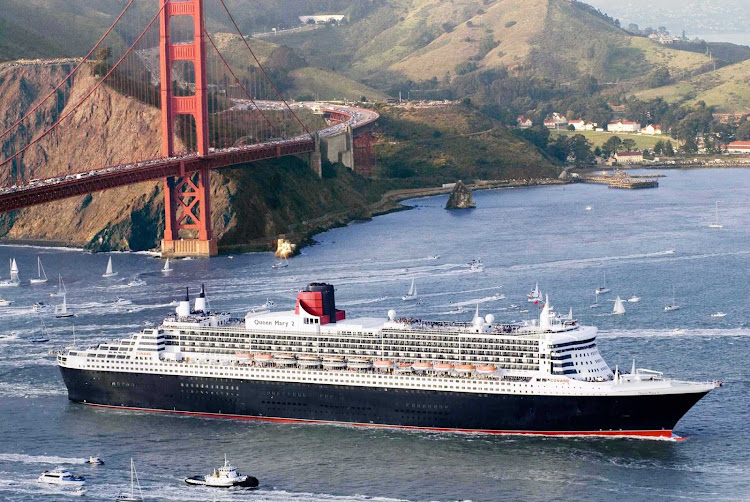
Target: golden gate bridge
[(217, 105)]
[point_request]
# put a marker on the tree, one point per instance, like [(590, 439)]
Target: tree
[(743, 131), (612, 145), (659, 147), (103, 56), (669, 149), (580, 148), (628, 145), (658, 77)]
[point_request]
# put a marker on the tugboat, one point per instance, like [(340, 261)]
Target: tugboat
[(226, 477), (61, 476)]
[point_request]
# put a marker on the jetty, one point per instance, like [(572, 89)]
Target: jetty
[(621, 179)]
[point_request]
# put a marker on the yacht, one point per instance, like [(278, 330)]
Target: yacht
[(167, 267), (41, 277), (61, 476), (225, 477), (719, 314), (595, 305), (619, 308), (535, 296), (62, 309), (132, 496), (634, 299), (110, 272), (672, 306), (14, 280), (716, 223), (603, 288), (412, 294), (39, 338)]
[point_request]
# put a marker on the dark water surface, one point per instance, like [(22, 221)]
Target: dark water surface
[(647, 242)]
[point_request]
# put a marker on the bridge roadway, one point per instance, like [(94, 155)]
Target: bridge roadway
[(71, 185)]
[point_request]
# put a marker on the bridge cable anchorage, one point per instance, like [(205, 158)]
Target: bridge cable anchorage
[(86, 96), (221, 56), (75, 70), (281, 96)]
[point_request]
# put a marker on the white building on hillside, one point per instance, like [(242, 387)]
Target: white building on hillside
[(652, 130), (623, 126)]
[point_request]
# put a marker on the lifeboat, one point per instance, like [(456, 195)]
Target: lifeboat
[(486, 369), (464, 368), (333, 362), (284, 359), (308, 360), (442, 367), (383, 365), (403, 366), (422, 366), (359, 364), (263, 358), (243, 355)]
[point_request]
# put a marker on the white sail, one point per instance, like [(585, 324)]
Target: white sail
[(412, 294), (619, 307), (110, 270), (716, 223), (13, 271), (62, 309), (166, 268)]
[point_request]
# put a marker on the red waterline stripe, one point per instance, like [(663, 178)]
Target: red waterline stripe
[(645, 434)]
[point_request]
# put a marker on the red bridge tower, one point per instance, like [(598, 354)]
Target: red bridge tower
[(186, 198)]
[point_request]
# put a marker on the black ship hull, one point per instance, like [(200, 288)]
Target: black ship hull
[(644, 415)]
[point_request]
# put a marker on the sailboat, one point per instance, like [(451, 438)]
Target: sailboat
[(673, 305), (41, 277), (14, 280), (603, 289), (132, 496), (110, 271), (619, 308), (535, 296), (412, 294), (60, 287), (280, 264), (62, 309), (167, 268), (715, 223), (596, 300)]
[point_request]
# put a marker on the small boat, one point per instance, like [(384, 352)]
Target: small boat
[(412, 294), (268, 304), (476, 265), (39, 338), (4, 302), (464, 368), (595, 305), (497, 296), (136, 282), (403, 366), (434, 257), (603, 288), (333, 362), (94, 461), (358, 363), (308, 360), (634, 299), (513, 306), (719, 314), (678, 331), (284, 359), (421, 366), (14, 280), (38, 306), (226, 477), (383, 365), (441, 367), (486, 369), (110, 272), (619, 308), (280, 264), (60, 287), (264, 358), (673, 306), (62, 309), (524, 311), (132, 496), (41, 277), (588, 208), (716, 223), (167, 267), (61, 476), (535, 296)]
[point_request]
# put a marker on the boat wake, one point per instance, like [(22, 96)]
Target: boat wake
[(28, 391), (266, 495), (38, 459), (670, 333)]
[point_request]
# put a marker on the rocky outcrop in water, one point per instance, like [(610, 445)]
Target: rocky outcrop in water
[(460, 198)]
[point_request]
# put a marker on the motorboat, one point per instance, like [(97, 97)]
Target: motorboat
[(4, 302), (38, 306), (41, 277), (225, 477), (61, 476), (588, 208), (498, 296), (94, 461), (719, 314), (280, 264), (603, 288), (110, 271), (476, 265), (136, 282), (678, 331), (412, 294), (132, 496), (634, 299), (434, 257)]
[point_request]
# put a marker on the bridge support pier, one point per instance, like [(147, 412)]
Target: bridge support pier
[(187, 207)]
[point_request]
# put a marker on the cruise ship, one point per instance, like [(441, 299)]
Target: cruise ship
[(313, 365)]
